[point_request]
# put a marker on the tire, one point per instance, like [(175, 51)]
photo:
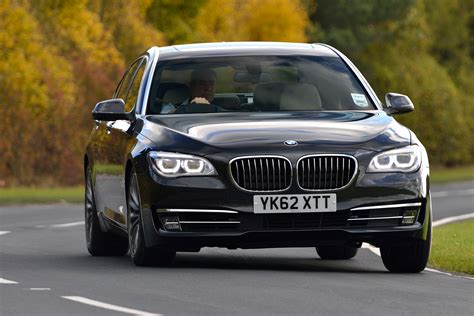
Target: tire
[(337, 252), (140, 254), (99, 243), (407, 259)]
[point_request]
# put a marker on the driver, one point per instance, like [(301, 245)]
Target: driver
[(203, 88)]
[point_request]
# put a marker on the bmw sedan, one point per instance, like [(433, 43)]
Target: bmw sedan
[(254, 145)]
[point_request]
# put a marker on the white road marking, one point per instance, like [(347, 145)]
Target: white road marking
[(451, 219), (439, 222), (452, 193), (68, 224), (116, 308), (5, 281), (40, 289), (371, 248), (450, 274), (377, 252), (4, 232)]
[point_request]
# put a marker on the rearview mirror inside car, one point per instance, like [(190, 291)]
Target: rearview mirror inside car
[(111, 110), (398, 103), (244, 76)]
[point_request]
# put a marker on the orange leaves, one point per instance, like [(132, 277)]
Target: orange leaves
[(252, 20)]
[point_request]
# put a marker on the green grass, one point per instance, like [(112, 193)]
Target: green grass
[(453, 247), (41, 195), (444, 175)]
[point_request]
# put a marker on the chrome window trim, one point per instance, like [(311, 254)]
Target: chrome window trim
[(365, 84), (229, 171), (156, 53), (418, 204), (331, 155)]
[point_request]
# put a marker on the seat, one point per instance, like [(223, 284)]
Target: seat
[(276, 96), (300, 97), (267, 96), (170, 92)]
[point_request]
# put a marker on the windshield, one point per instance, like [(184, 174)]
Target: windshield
[(255, 84)]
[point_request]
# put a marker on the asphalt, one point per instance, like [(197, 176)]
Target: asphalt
[(293, 281)]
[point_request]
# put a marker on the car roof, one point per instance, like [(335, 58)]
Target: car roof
[(242, 49)]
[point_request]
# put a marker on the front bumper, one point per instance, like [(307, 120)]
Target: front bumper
[(238, 227)]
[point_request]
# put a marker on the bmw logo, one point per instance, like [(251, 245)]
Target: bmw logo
[(291, 142)]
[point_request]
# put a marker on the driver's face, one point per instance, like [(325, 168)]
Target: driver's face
[(204, 86)]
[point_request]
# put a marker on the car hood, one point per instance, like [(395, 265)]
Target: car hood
[(266, 132)]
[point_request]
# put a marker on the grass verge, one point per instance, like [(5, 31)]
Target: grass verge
[(41, 195), (445, 175), (453, 247)]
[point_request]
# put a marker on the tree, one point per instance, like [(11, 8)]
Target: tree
[(252, 20)]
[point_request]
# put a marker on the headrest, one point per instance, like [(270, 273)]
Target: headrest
[(229, 102), (300, 97)]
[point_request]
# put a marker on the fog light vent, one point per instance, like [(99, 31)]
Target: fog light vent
[(409, 217), (171, 223)]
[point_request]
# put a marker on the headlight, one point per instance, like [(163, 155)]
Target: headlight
[(172, 165), (406, 159)]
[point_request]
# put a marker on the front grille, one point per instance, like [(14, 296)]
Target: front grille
[(261, 173), (326, 172)]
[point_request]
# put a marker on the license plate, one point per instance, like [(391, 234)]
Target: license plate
[(296, 203)]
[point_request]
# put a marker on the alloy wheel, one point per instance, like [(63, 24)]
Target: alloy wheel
[(133, 216)]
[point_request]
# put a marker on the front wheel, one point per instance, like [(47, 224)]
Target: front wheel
[(141, 254), (410, 258), (99, 243), (337, 252)]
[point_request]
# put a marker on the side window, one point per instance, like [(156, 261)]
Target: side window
[(125, 82), (135, 88)]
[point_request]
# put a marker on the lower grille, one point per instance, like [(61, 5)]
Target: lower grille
[(305, 221)]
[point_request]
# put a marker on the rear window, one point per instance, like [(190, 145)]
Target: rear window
[(255, 84)]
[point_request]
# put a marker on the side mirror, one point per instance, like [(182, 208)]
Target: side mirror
[(398, 103), (111, 110)]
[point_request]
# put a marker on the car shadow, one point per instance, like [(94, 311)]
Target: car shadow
[(270, 263)]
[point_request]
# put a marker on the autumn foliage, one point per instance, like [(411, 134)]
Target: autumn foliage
[(58, 58)]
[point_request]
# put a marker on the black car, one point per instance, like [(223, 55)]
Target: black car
[(254, 145)]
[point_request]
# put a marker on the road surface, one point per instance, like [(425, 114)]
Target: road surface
[(45, 269)]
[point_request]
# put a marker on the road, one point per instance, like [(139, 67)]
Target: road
[(54, 275)]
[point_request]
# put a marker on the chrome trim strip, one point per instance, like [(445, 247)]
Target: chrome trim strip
[(156, 51), (229, 171), (327, 155), (200, 211), (374, 218), (209, 222), (386, 206)]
